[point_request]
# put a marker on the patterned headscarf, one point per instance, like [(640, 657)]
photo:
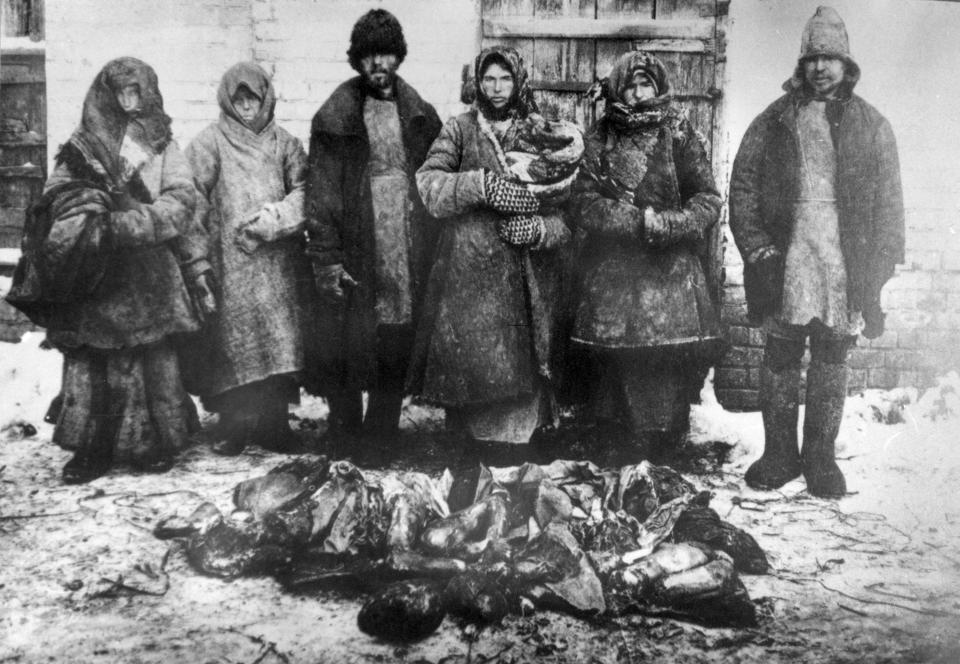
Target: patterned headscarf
[(253, 77), (521, 102), (104, 123), (648, 112)]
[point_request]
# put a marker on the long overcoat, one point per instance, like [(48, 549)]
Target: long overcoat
[(764, 185), (633, 294), (488, 321), (339, 217), (264, 295)]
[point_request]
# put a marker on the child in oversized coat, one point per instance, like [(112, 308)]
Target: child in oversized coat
[(250, 174), (114, 267)]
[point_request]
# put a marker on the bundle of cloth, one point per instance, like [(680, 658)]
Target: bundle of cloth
[(549, 154)]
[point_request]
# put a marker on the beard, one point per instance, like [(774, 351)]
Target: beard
[(380, 82)]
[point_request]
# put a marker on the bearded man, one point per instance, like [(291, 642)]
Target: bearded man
[(370, 239)]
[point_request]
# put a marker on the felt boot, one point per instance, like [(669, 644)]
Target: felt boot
[(826, 394), (780, 407)]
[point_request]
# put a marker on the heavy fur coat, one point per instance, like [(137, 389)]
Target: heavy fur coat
[(339, 218), (764, 185), (632, 293)]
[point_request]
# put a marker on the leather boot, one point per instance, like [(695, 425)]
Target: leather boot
[(826, 394), (780, 407)]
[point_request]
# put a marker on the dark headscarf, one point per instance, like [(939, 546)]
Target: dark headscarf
[(104, 123), (253, 77), (649, 111), (521, 103)]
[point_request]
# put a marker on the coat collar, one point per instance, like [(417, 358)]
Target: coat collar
[(836, 109), (342, 113)]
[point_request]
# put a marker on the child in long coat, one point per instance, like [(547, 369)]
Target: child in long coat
[(250, 174), (113, 266)]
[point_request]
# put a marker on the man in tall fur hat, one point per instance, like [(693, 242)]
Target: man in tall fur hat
[(370, 238), (816, 209)]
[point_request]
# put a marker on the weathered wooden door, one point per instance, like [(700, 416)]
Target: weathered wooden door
[(568, 44), (23, 139)]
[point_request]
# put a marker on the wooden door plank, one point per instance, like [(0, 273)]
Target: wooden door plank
[(607, 53), (608, 28), (624, 8), (506, 8), (672, 9), (554, 8)]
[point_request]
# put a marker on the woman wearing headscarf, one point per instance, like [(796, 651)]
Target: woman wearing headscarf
[(484, 342), (645, 201), (250, 174), (114, 266)]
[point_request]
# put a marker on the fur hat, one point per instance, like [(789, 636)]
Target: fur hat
[(377, 31), (825, 34)]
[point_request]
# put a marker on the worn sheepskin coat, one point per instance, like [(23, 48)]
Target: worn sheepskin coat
[(488, 324)]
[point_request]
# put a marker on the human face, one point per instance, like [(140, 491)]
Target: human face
[(640, 89), (497, 85), (246, 104), (824, 74), (380, 71), (129, 99)]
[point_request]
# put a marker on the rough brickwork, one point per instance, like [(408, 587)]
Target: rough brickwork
[(923, 301), (303, 43)]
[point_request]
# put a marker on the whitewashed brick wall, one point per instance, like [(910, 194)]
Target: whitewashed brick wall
[(190, 43)]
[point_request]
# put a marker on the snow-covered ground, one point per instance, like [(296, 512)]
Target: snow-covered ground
[(870, 578)]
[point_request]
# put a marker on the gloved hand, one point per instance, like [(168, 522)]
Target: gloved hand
[(520, 230), (508, 197), (257, 229), (331, 280), (767, 266), (202, 295)]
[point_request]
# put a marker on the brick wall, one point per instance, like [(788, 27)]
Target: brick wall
[(303, 43), (908, 55)]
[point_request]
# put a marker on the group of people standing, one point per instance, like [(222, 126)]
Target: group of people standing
[(399, 257)]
